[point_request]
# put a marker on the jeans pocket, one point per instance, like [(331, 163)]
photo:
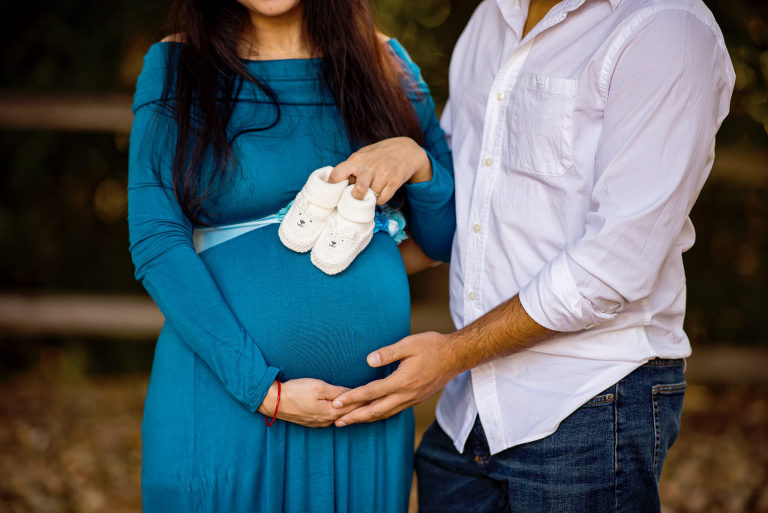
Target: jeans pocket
[(667, 402)]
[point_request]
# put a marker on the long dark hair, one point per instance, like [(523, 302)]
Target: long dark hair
[(206, 74)]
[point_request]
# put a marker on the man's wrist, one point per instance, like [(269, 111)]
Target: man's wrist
[(458, 351), (500, 332)]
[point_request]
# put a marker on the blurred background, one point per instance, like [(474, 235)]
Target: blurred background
[(77, 332)]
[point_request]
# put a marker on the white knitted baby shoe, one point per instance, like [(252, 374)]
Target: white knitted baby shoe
[(305, 220), (347, 232)]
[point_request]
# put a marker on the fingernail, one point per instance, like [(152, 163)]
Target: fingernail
[(341, 423), (374, 359), (337, 404)]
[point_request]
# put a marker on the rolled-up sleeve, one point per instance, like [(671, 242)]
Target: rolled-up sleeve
[(667, 93)]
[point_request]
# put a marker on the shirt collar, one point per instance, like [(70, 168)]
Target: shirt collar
[(513, 12), (508, 7)]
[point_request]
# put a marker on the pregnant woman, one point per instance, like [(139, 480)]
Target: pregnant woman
[(232, 114)]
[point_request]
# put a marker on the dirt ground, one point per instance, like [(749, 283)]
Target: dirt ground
[(70, 443)]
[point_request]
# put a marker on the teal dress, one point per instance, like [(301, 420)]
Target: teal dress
[(247, 311)]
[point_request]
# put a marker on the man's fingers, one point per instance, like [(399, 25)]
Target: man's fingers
[(389, 354), (363, 394), (335, 413), (380, 409)]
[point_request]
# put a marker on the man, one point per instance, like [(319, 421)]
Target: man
[(582, 133)]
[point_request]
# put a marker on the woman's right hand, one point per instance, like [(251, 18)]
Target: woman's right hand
[(384, 167), (304, 401)]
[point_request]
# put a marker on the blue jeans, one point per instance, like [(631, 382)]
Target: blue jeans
[(605, 457)]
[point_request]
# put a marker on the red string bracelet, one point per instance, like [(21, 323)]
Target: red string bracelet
[(274, 415)]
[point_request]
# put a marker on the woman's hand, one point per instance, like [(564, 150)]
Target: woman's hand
[(304, 401), (384, 167)]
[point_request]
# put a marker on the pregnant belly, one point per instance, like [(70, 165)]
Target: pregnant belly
[(309, 324)]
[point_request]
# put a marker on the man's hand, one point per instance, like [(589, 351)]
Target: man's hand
[(426, 366), (428, 361)]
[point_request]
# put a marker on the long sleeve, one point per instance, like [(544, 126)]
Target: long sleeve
[(432, 219), (174, 275), (668, 93)]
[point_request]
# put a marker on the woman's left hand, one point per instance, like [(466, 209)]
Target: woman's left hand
[(384, 167)]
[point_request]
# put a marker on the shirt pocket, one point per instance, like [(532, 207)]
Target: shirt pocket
[(541, 125)]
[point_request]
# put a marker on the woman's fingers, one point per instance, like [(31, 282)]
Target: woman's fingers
[(348, 170), (385, 194), (326, 394), (383, 167), (380, 179), (342, 171), (383, 187), (331, 392), (308, 402), (362, 184)]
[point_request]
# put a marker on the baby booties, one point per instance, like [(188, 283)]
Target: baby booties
[(347, 232), (306, 218)]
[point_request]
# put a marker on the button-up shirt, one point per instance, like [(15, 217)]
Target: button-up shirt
[(579, 151)]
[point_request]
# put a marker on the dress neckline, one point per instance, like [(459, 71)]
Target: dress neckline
[(391, 43), (295, 81)]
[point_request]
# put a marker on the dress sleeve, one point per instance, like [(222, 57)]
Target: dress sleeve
[(174, 275), (432, 218)]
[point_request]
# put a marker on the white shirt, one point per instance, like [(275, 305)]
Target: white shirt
[(579, 152)]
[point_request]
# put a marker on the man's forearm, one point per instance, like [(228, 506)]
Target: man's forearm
[(430, 360), (504, 330)]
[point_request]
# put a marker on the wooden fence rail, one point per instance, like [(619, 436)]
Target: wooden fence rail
[(137, 318), (112, 113)]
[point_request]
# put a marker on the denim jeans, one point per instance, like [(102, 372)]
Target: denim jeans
[(605, 457)]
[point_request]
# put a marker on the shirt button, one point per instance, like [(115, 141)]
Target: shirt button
[(500, 96), (472, 296), (477, 228), (488, 162)]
